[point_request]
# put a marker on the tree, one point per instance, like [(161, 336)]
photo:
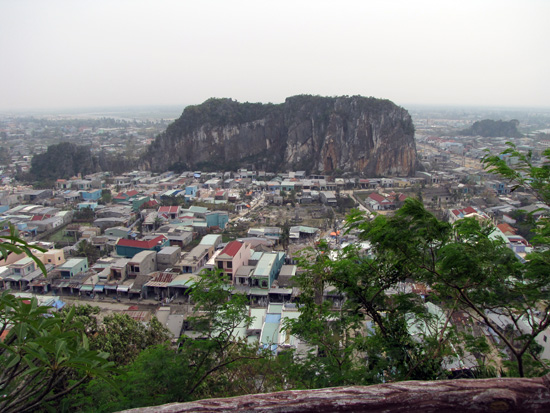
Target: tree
[(197, 368), (386, 350), (119, 334), (106, 196), (86, 249), (41, 352), (84, 214), (464, 264), (285, 234)]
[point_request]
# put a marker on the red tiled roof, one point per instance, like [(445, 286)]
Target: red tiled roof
[(141, 244), (464, 211), (506, 228), (37, 218), (133, 192), (151, 203), (232, 248), (169, 209), (377, 197)]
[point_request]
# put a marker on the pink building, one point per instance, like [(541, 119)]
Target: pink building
[(233, 256)]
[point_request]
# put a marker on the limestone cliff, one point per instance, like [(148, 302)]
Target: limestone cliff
[(309, 133)]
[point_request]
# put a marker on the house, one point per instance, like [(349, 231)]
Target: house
[(217, 219), (273, 233), (117, 270), (168, 257), (211, 239), (120, 232), (378, 202), (138, 202), (300, 233), (143, 263), (267, 269), (92, 195), (91, 205), (199, 212), (191, 191), (328, 198), (234, 255), (456, 214), (158, 284), (170, 212), (195, 259), (48, 224), (53, 256), (128, 248), (17, 271), (72, 267)]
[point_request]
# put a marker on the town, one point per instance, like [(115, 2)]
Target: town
[(136, 242)]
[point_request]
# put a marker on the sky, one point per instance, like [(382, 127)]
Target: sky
[(108, 53)]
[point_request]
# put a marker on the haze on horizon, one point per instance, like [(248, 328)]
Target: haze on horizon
[(70, 54)]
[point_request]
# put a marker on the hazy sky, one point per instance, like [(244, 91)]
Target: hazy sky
[(79, 53)]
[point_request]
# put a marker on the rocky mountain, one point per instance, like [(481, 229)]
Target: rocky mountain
[(493, 129), (312, 133)]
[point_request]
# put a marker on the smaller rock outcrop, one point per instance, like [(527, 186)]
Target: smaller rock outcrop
[(493, 129)]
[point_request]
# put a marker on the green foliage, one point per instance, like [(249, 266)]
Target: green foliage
[(387, 351), (86, 249), (197, 368), (66, 159), (523, 173), (464, 264), (13, 244), (84, 214), (120, 335), (63, 160), (106, 196), (44, 356)]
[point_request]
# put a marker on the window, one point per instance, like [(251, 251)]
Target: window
[(220, 265), (545, 339), (229, 264)]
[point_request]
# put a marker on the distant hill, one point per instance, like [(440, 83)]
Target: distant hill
[(493, 128), (311, 133), (65, 160)]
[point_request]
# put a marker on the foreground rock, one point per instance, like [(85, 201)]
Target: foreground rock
[(488, 395)]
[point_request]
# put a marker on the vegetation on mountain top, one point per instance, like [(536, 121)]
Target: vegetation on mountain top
[(65, 160)]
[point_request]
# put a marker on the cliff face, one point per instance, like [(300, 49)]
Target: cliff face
[(306, 132)]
